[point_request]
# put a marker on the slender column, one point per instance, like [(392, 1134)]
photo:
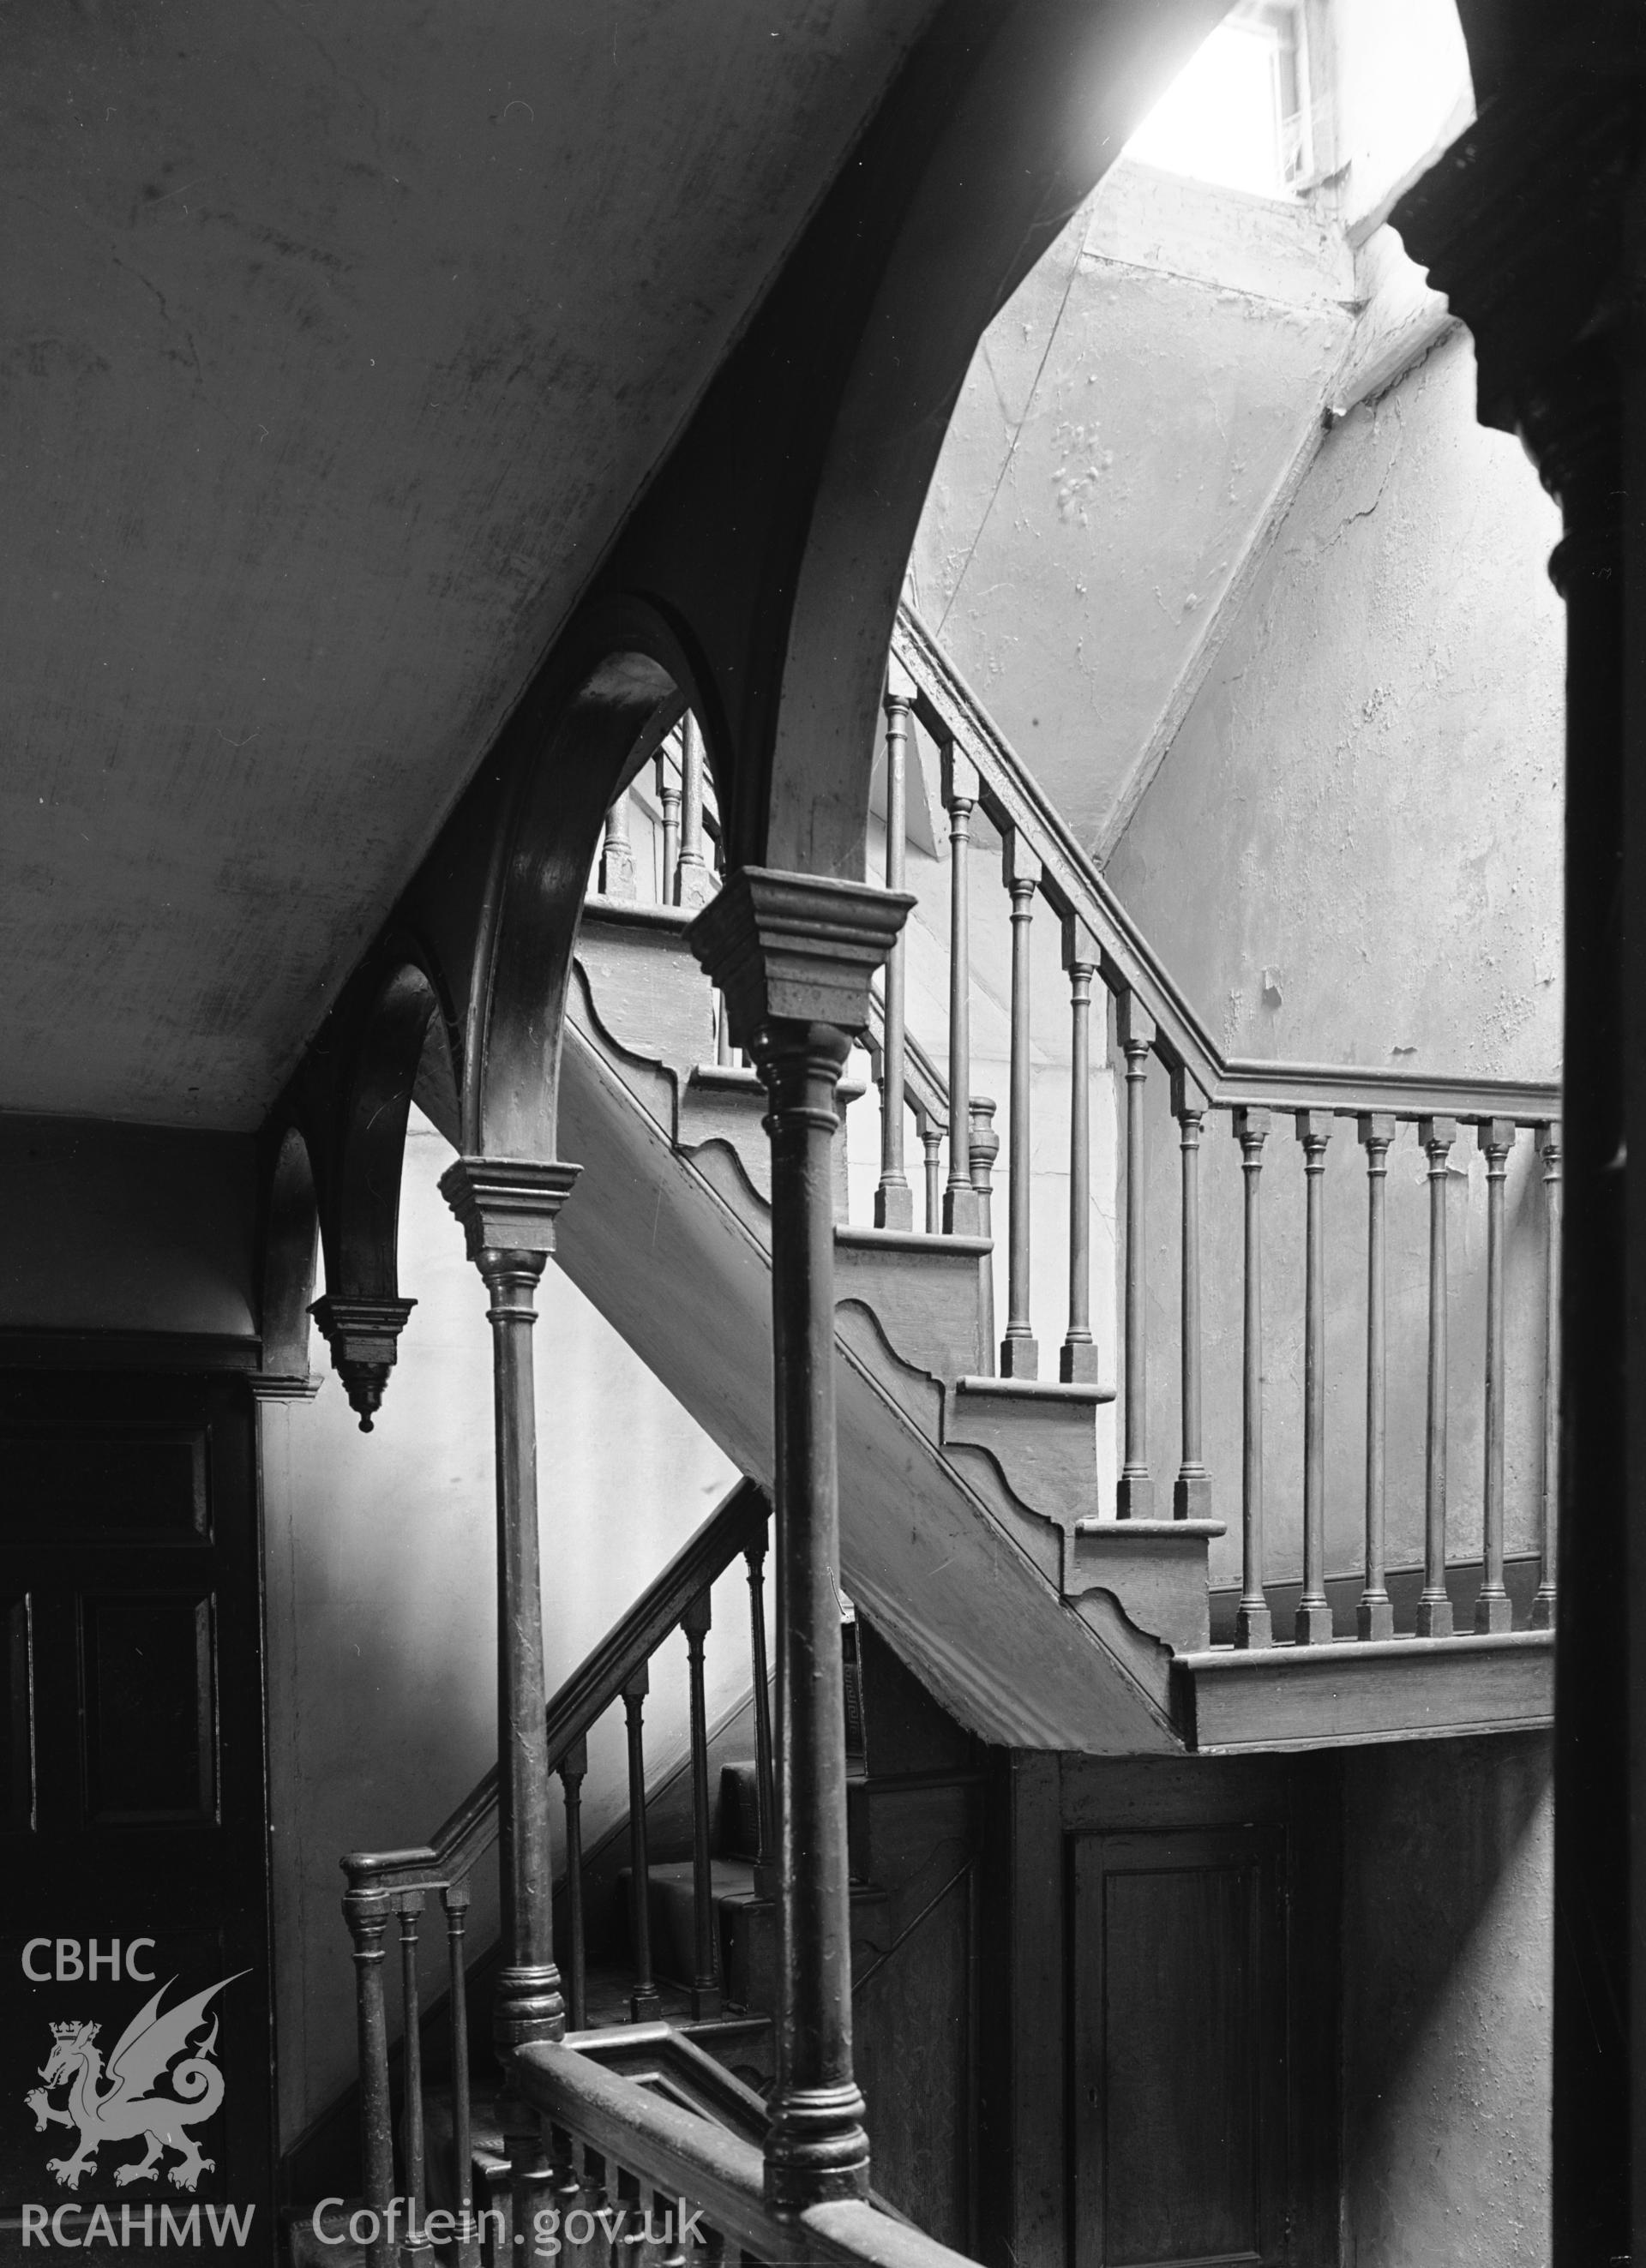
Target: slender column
[(1314, 1613), (616, 858), (765, 1787), (366, 1912), (645, 2003), (960, 796), (1077, 1362), (1434, 1607), (894, 1200), (1374, 1616), (932, 1144), (1253, 1626), (1134, 1028), (694, 878), (985, 1148), (455, 1898), (573, 1767), (1021, 871), (795, 957), (508, 1210), (414, 2246), (669, 801), (1192, 1497), (1542, 1605), (1492, 1610), (706, 1981)]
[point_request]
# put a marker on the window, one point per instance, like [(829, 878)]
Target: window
[(1238, 113)]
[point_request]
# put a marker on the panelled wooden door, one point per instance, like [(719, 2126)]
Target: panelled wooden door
[(135, 1824), (1177, 2125)]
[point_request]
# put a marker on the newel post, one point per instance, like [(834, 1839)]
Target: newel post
[(794, 955), (508, 1209)]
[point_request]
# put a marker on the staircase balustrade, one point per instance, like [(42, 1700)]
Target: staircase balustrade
[(688, 2189), (1152, 1025), (382, 1884)]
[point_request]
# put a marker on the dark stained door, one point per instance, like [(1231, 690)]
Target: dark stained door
[(134, 1824), (1178, 2104)]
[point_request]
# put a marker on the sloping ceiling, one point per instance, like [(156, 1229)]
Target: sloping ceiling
[(334, 343)]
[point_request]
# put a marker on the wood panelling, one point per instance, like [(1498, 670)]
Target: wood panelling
[(1159, 2008), (1176, 2109)]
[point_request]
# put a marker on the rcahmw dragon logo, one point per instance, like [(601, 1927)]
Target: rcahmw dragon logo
[(126, 2107)]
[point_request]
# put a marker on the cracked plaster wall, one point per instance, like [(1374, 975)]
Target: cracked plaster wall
[(1126, 420)]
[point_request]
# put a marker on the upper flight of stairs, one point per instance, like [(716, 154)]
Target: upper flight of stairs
[(968, 1503), (962, 1497)]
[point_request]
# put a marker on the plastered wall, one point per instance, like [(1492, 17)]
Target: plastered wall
[(1447, 1951), (381, 1617)]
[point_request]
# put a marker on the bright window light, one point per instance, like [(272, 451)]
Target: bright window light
[(1235, 115)]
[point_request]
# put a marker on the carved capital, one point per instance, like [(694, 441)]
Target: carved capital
[(1496, 1138), (795, 949), (1134, 1027), (1251, 1125), (284, 1385), (961, 783), (1080, 948), (1313, 1131), (363, 1335), (1021, 869), (507, 1205), (1521, 225), (1436, 1136)]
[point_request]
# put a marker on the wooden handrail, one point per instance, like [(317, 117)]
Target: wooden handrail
[(591, 1689), (678, 2154), (952, 713)]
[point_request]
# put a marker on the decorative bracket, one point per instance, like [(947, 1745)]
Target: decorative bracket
[(363, 1335)]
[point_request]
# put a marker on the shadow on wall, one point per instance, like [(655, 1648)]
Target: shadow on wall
[(1449, 1899)]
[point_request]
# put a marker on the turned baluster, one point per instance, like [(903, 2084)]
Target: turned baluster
[(1077, 1362), (415, 2244), (765, 1786), (706, 1981), (1253, 1626), (985, 1148), (1542, 1604), (1314, 1613), (1020, 871), (455, 1898), (573, 1765), (960, 796), (1191, 1496), (1134, 1028), (1434, 1607), (1491, 1609), (669, 802), (366, 1912), (616, 858), (1374, 1616), (894, 1199), (644, 2005), (932, 1132), (694, 880)]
